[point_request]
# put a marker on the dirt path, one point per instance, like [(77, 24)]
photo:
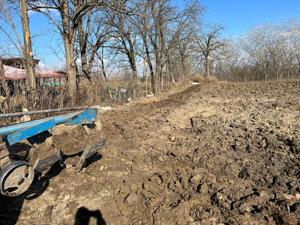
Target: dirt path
[(217, 153)]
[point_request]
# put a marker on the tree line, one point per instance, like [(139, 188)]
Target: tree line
[(266, 52), (167, 42)]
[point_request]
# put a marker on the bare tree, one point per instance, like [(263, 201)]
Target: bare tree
[(123, 41), (83, 34), (71, 12), (93, 33), (30, 67), (7, 10), (124, 38), (180, 39), (210, 46), (160, 10), (142, 23)]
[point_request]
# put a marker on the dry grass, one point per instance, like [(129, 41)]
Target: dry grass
[(199, 78), (90, 93), (212, 79)]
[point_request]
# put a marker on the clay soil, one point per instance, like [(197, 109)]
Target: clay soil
[(215, 153)]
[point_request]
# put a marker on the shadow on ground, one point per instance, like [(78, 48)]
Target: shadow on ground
[(84, 215), (10, 208)]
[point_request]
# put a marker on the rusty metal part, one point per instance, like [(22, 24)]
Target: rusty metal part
[(16, 178)]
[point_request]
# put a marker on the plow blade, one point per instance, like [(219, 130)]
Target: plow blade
[(88, 152), (42, 165)]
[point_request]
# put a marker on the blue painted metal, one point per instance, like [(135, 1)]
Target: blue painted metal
[(18, 132), (88, 116), (20, 126), (29, 132)]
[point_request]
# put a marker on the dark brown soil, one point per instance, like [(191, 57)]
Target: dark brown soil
[(216, 153)]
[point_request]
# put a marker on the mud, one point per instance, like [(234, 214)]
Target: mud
[(216, 153)]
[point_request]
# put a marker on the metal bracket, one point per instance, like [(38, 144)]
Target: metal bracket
[(88, 152)]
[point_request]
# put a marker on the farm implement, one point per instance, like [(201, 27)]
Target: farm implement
[(32, 147)]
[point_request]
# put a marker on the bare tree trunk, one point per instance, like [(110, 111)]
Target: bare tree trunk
[(131, 56), (71, 70), (149, 62), (69, 51), (27, 46), (207, 67), (82, 44), (183, 65), (170, 72), (152, 79), (83, 48), (102, 65), (103, 68), (150, 65), (158, 72), (152, 75)]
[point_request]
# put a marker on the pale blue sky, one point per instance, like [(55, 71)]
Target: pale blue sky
[(238, 16)]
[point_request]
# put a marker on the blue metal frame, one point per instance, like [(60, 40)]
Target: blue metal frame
[(29, 132), (18, 132), (88, 116)]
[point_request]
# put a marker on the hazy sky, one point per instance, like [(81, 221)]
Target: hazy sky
[(238, 16)]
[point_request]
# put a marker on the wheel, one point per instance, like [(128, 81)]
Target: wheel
[(16, 178)]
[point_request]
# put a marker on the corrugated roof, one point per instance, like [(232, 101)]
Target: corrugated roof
[(12, 73)]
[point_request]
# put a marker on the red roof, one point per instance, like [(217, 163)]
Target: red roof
[(12, 73)]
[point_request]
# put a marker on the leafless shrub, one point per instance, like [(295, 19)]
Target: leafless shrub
[(198, 78), (268, 52)]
